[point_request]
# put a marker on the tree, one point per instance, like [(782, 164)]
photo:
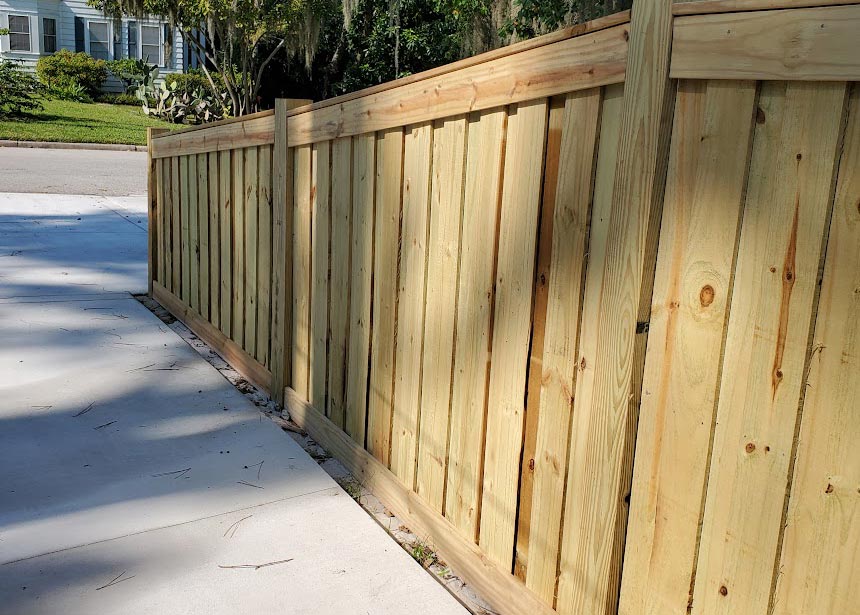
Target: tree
[(238, 38)]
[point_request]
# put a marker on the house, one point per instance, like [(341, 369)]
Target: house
[(41, 27)]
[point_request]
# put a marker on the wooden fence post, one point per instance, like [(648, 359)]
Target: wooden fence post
[(601, 452), (282, 261), (152, 189)]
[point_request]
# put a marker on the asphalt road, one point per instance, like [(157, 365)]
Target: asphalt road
[(66, 171)]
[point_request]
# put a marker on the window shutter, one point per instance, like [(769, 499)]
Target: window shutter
[(79, 34), (117, 39), (132, 39), (168, 46)]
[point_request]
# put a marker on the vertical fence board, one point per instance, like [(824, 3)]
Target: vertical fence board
[(604, 432), (252, 247), (570, 161), (215, 245), (787, 204), (239, 238), (264, 263), (818, 571), (203, 230), (341, 218), (302, 271), (443, 249), (320, 232), (163, 227), (517, 236), (225, 201), (569, 573), (361, 267), (410, 302), (389, 168), (193, 298), (175, 232), (185, 228), (703, 203), (474, 312)]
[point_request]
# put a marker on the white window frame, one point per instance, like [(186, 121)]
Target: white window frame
[(108, 42), (42, 35), (34, 49), (160, 27)]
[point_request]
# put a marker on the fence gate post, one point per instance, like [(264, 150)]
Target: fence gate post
[(282, 252), (152, 189)]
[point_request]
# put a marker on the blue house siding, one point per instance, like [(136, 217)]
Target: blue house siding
[(65, 12)]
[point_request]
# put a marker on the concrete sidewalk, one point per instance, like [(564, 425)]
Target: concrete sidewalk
[(135, 478)]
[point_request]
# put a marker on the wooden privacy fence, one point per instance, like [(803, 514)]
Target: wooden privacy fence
[(583, 311)]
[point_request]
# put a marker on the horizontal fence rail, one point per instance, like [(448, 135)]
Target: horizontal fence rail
[(582, 311)]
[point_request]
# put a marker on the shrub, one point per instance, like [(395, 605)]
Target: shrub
[(64, 68), (119, 99), (72, 91), (194, 79), (178, 107), (18, 90)]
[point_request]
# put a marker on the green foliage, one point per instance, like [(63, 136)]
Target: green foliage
[(535, 17), (196, 107), (119, 99), (192, 80), (131, 71), (61, 70), (71, 91), (19, 90)]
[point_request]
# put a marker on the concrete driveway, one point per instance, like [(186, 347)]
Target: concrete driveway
[(135, 478)]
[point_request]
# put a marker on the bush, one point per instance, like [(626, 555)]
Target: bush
[(194, 79), (63, 69), (197, 107), (18, 90), (119, 99), (73, 91)]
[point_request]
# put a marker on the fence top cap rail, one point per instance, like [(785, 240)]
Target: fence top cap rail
[(704, 7), (229, 120), (587, 27)]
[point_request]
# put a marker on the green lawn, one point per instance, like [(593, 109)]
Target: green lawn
[(73, 122)]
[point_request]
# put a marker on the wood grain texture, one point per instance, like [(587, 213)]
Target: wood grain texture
[(282, 263), (521, 190), (507, 595), (252, 248), (361, 269), (184, 232), (237, 329), (341, 237), (579, 63), (175, 232), (248, 131), (301, 271), (569, 175), (202, 176), (819, 571), (215, 245), (162, 168), (440, 322), (411, 302), (603, 431), (225, 200), (787, 205), (265, 257), (814, 44), (320, 233), (698, 7), (702, 207), (153, 191), (386, 232), (475, 299), (193, 235)]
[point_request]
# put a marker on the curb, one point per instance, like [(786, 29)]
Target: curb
[(117, 147)]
